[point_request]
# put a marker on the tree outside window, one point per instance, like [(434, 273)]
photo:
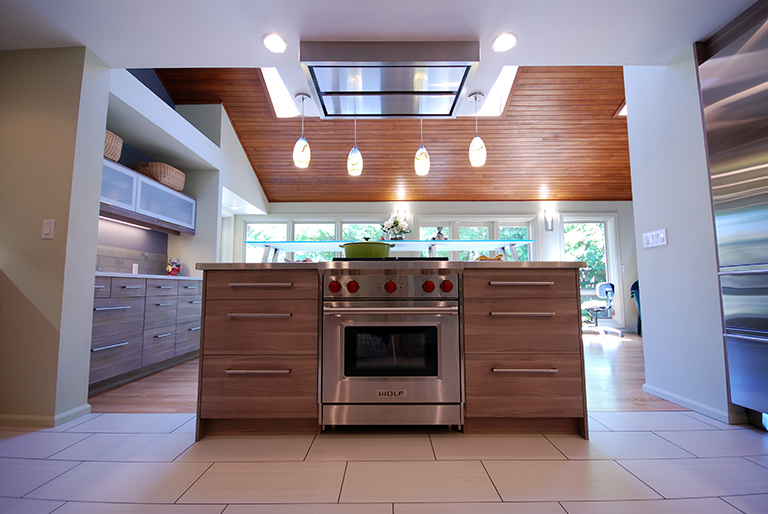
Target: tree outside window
[(586, 242), (427, 233), (262, 232), (523, 251), (472, 233), (359, 231), (314, 232)]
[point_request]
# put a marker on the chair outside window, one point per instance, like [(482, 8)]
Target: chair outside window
[(597, 307)]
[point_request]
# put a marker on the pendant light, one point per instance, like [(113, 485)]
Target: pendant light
[(355, 158), (421, 161), (301, 153), (477, 152)]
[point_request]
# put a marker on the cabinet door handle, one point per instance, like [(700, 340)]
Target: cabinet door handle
[(158, 336), (109, 346), (261, 284), (163, 304), (260, 315), (193, 328), (112, 308), (522, 314), (523, 370), (131, 287), (196, 301), (165, 287), (99, 287), (541, 284), (190, 287), (257, 371)]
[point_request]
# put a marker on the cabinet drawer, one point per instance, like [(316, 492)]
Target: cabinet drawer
[(101, 287), (187, 337), (190, 287), (524, 385), (114, 355), (266, 386), (159, 345), (117, 316), (160, 311), (261, 326), (521, 283), (261, 284), (189, 309), (128, 287), (512, 325), (162, 287)]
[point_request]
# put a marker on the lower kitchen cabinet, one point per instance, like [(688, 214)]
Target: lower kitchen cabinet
[(114, 355)]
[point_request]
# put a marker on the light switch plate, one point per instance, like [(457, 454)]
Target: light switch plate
[(655, 238), (48, 226)]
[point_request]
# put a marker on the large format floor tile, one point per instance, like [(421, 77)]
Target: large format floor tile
[(713, 422), (458, 446), (753, 504), (367, 446), (248, 448), (721, 443), (618, 445), (127, 482), (36, 445), (478, 508), (622, 421), (268, 482), (133, 423), (694, 506), (303, 508), (21, 476), (128, 448), (417, 481), (136, 508), (565, 480), (692, 478), (18, 506)]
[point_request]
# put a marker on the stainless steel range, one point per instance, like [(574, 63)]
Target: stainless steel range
[(391, 344)]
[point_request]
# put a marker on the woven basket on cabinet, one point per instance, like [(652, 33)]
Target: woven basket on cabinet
[(163, 173), (113, 146)]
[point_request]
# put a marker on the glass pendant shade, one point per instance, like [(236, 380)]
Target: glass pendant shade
[(421, 161), (355, 162), (301, 153), (477, 153)]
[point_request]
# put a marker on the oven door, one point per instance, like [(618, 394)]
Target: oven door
[(388, 352)]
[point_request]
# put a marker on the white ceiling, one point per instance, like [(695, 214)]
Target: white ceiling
[(227, 33)]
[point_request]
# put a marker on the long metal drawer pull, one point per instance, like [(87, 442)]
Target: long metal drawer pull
[(109, 346), (190, 287), (522, 314), (196, 301), (523, 370), (261, 284), (193, 328), (257, 371), (163, 304), (99, 287), (165, 287), (112, 308), (163, 335), (330, 311), (746, 272), (132, 287), (260, 315), (492, 283), (745, 338)]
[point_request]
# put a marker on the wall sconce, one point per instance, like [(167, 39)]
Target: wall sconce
[(549, 220)]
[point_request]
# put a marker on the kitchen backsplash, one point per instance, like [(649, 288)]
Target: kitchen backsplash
[(120, 260)]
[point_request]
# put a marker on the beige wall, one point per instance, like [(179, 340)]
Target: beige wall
[(53, 106)]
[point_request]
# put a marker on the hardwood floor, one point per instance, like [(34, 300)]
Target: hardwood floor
[(614, 368)]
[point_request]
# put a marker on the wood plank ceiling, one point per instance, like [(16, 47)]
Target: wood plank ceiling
[(558, 140)]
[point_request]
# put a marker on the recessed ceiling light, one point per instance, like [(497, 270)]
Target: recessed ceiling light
[(275, 43), (504, 42), (234, 207)]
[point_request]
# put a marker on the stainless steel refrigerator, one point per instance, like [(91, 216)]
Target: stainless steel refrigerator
[(735, 96)]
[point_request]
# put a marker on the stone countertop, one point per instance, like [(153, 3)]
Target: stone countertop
[(140, 275), (456, 265)]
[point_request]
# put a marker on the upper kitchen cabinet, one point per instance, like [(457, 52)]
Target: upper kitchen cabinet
[(157, 201), (118, 185)]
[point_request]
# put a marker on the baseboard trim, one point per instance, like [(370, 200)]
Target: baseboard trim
[(707, 410), (27, 420)]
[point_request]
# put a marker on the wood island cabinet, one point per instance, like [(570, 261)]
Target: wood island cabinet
[(259, 352), (524, 361)]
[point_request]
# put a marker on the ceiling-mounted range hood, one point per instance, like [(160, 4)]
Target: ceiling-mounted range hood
[(388, 79)]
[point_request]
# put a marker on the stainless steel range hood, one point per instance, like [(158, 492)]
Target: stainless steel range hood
[(388, 79)]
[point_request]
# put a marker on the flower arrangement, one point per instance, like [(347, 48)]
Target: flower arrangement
[(395, 226)]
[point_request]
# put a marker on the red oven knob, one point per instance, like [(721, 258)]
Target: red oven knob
[(353, 286), (334, 286), (428, 286), (390, 287), (446, 286)]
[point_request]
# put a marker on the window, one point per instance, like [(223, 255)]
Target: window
[(262, 232), (359, 231), (314, 232), (516, 232), (427, 233), (473, 232), (585, 241)]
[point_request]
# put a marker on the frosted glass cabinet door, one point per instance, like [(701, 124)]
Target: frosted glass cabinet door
[(118, 186), (158, 201)]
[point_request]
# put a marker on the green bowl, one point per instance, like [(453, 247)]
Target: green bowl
[(359, 249)]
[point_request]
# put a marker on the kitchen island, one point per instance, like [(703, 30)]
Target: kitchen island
[(264, 359)]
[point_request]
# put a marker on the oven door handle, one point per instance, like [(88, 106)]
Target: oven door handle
[(330, 311)]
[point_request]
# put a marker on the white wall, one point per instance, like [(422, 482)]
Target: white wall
[(679, 289)]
